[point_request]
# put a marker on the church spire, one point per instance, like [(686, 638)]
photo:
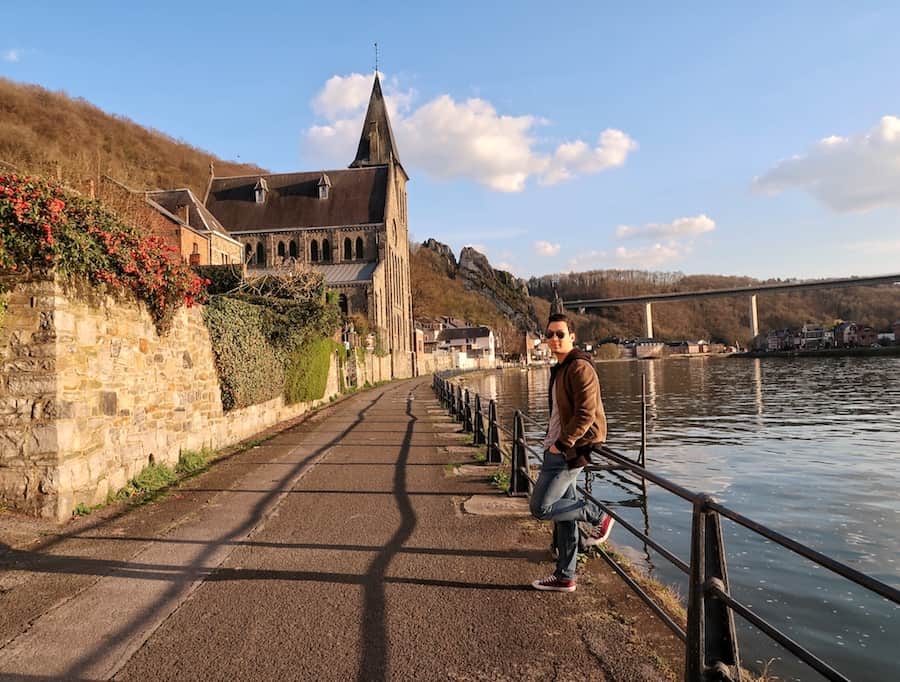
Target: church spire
[(376, 143)]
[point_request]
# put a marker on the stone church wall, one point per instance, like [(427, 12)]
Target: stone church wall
[(90, 394)]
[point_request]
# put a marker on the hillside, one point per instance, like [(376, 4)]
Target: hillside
[(52, 134), (470, 290), (717, 319)]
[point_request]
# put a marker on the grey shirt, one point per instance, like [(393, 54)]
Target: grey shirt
[(553, 427)]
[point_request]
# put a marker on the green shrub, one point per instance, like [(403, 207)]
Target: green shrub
[(306, 374), (249, 369), (271, 336)]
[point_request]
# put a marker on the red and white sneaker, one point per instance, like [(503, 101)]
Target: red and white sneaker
[(597, 535), (553, 584)]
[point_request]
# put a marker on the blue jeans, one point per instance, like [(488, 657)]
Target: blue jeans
[(553, 499)]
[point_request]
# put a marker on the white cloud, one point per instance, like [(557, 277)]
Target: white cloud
[(543, 248), (855, 173), (447, 138), (681, 227), (613, 148), (13, 55), (651, 256)]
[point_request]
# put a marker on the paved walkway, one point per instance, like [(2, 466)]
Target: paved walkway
[(337, 550)]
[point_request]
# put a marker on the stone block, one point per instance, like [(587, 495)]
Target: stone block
[(12, 485), (101, 491), (31, 384), (117, 479), (79, 474), (97, 465), (86, 332), (64, 321), (68, 435), (109, 403), (44, 440)]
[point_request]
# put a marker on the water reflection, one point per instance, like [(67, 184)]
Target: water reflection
[(809, 447), (757, 388)]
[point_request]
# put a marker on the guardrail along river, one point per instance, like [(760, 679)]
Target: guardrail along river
[(807, 446)]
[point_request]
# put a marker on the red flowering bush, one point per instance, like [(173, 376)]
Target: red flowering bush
[(45, 228)]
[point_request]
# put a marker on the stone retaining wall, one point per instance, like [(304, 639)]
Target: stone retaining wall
[(90, 394)]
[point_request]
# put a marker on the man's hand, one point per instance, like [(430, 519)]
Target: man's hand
[(554, 449)]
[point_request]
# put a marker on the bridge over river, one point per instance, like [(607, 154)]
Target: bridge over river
[(337, 549), (752, 292)]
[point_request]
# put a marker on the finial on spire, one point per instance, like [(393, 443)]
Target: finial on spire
[(376, 58)]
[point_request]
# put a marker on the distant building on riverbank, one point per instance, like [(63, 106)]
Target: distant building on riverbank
[(845, 334)]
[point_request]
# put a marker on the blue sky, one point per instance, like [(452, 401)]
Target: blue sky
[(711, 138)]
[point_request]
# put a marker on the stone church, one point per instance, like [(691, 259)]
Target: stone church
[(350, 224)]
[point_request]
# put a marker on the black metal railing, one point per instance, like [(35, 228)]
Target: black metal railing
[(711, 646)]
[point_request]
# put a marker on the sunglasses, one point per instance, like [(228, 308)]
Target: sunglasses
[(558, 334)]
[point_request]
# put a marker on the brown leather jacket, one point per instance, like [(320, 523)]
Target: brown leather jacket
[(582, 421)]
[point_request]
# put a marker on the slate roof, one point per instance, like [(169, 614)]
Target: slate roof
[(464, 333), (174, 200), (346, 273), (377, 116), (357, 197)]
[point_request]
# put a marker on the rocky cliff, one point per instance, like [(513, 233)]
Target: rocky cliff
[(507, 294)]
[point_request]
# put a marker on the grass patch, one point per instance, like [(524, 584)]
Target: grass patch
[(82, 510), (500, 480), (666, 596), (192, 462), (152, 479), (480, 456), (451, 467)]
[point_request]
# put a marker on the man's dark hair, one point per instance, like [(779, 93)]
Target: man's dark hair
[(561, 317)]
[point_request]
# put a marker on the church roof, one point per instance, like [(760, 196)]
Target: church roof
[(357, 197), (376, 142), (346, 273)]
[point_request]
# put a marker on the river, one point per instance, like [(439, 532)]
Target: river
[(808, 446)]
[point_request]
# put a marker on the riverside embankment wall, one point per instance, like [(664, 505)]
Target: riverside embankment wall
[(90, 394)]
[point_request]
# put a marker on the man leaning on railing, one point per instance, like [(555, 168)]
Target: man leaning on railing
[(577, 424)]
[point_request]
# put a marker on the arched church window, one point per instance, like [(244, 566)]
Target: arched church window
[(359, 248), (348, 249), (314, 251), (281, 249), (326, 250), (342, 303), (292, 248), (248, 254), (260, 254)]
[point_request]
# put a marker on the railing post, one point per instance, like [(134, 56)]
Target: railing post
[(643, 454), (712, 647), (467, 413), (518, 482), (493, 436), (479, 422), (460, 412)]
